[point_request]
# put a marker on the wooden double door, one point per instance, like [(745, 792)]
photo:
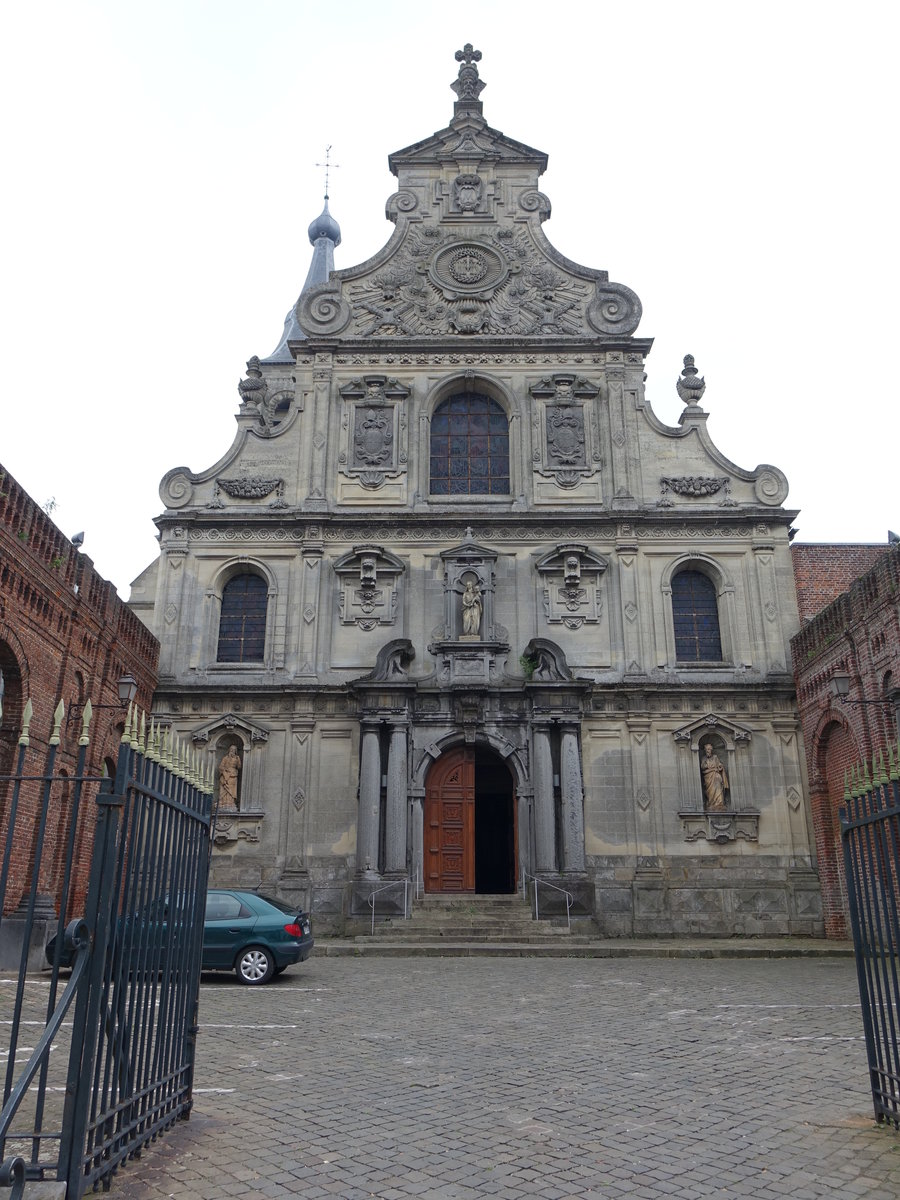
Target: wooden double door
[(470, 826)]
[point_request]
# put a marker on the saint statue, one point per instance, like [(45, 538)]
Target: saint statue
[(471, 609), (229, 768), (715, 780)]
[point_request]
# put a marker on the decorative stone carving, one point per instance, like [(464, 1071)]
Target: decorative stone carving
[(373, 437), (237, 826), (548, 662), (496, 282), (720, 827), (373, 430), (253, 389), (253, 487), (564, 447), (571, 577), (688, 387), (695, 486), (369, 578), (467, 85), (468, 192)]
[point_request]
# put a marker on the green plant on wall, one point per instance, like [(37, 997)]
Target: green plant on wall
[(528, 663)]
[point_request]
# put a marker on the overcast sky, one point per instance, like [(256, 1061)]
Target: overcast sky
[(730, 163)]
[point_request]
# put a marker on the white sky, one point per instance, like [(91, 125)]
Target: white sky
[(730, 163)]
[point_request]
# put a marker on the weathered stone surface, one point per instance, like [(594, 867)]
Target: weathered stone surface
[(565, 524)]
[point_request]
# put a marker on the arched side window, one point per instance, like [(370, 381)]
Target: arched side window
[(242, 622), (695, 615), (469, 447)]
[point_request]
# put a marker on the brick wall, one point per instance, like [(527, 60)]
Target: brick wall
[(64, 635), (822, 572), (856, 634)]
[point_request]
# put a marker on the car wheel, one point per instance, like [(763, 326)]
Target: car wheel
[(255, 965)]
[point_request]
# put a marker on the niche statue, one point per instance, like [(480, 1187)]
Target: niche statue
[(229, 769), (715, 780), (471, 609)]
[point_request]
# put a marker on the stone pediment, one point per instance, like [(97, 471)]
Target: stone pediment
[(693, 732), (251, 731), (494, 279), (467, 141)]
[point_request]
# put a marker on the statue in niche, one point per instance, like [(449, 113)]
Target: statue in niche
[(715, 779), (229, 770), (471, 609)]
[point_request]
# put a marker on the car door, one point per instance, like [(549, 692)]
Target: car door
[(227, 927)]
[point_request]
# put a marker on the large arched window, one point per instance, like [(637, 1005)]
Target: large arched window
[(695, 614), (242, 624), (469, 447)]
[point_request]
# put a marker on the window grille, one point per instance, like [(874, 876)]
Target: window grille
[(469, 447), (695, 614), (242, 625)]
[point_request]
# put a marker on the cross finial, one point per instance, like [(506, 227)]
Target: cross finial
[(467, 54), (467, 85), (328, 165)]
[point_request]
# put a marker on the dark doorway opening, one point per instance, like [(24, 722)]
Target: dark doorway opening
[(495, 832)]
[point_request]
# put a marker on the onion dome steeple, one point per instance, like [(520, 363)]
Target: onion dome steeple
[(324, 235)]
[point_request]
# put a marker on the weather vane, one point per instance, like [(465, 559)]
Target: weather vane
[(328, 165)]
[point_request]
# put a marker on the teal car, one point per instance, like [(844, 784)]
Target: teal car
[(257, 937)]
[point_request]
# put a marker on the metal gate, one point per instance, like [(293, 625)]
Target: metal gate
[(113, 1064), (870, 828)]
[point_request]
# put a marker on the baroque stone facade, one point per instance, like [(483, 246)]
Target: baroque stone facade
[(465, 607)]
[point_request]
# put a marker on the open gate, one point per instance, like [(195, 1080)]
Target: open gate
[(870, 828), (123, 1028)]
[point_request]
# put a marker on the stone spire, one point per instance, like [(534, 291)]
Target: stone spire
[(324, 236)]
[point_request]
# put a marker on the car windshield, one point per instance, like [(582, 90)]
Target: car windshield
[(290, 909)]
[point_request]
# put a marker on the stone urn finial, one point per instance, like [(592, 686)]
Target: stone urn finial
[(252, 390), (689, 388)]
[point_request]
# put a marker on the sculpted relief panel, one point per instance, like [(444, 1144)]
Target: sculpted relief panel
[(494, 282)]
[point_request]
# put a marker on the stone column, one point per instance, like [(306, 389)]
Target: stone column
[(369, 800), (572, 800), (395, 840), (544, 824)]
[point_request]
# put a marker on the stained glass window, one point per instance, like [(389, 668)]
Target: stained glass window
[(695, 612), (469, 447), (242, 625)]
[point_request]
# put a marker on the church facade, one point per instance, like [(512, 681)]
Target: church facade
[(457, 607)]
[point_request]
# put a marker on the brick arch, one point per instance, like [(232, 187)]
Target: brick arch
[(834, 752)]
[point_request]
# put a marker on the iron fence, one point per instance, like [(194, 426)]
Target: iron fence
[(870, 829), (127, 1018)]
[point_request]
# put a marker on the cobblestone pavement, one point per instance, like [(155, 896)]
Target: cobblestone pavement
[(446, 1079)]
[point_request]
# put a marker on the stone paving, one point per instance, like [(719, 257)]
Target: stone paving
[(449, 1079)]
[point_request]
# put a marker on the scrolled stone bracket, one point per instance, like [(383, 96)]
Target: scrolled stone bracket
[(721, 826)]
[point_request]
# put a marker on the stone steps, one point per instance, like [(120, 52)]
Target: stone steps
[(747, 948), (470, 920)]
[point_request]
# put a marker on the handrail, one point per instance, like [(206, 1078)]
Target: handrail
[(384, 888), (570, 899)]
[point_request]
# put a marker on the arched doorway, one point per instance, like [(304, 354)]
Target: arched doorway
[(470, 823)]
